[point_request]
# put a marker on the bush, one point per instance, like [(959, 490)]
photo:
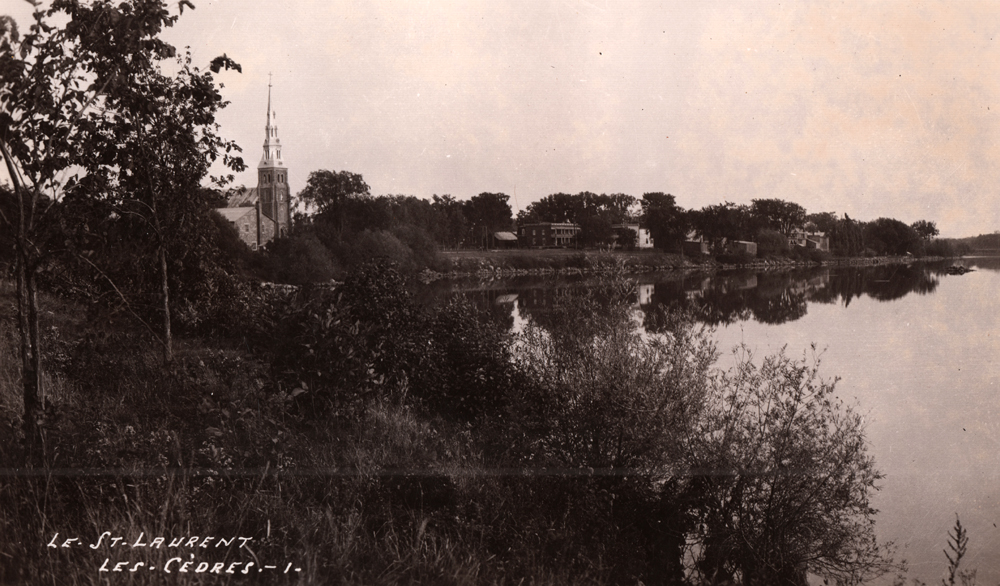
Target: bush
[(298, 260), (771, 243)]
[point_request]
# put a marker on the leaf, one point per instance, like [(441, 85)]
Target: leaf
[(224, 61)]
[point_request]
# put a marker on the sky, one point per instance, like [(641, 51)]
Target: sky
[(873, 109)]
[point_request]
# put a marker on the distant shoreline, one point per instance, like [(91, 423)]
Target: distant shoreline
[(558, 262)]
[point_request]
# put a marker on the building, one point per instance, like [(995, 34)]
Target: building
[(816, 240), (262, 214), (643, 239), (547, 235), (738, 246), (504, 240)]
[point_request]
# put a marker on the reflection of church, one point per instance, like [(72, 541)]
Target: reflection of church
[(261, 214)]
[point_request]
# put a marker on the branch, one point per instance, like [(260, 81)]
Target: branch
[(122, 297)]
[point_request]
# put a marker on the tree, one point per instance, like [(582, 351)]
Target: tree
[(148, 160), (51, 83), (330, 192), (823, 222), (452, 226), (596, 230), (557, 207), (720, 222), (780, 215), (626, 238), (488, 213), (890, 236), (925, 230), (666, 221), (847, 237)]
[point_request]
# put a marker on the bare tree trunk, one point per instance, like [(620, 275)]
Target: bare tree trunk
[(168, 353), (27, 322), (31, 359)]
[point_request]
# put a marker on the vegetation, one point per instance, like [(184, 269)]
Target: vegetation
[(368, 440)]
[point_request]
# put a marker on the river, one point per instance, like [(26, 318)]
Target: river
[(915, 348)]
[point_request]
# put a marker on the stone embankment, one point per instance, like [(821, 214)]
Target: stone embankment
[(605, 263)]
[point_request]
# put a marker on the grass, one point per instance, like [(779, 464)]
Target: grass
[(209, 447)]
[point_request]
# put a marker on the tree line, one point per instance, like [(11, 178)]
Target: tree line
[(351, 223)]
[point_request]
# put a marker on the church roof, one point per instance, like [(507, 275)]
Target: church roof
[(242, 197), (233, 214)]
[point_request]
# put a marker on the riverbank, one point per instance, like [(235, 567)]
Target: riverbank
[(515, 263)]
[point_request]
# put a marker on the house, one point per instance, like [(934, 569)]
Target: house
[(262, 214), (813, 240), (643, 238), (694, 245), (743, 246), (547, 234), (504, 240)]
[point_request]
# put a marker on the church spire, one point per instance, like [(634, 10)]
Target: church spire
[(272, 145)]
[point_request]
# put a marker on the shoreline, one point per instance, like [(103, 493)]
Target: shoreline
[(503, 264)]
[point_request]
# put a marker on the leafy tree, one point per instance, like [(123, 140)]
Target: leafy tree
[(596, 230), (626, 238), (771, 242), (488, 213), (890, 236), (147, 165), (847, 237), (719, 222), (565, 207), (330, 193), (823, 222), (666, 221), (775, 214), (925, 230), (52, 83), (557, 207), (451, 226), (298, 260)]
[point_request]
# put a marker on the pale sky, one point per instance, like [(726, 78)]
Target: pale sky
[(870, 108)]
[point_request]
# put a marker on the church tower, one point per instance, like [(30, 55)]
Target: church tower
[(272, 183)]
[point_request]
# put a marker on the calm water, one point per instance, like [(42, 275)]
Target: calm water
[(915, 347)]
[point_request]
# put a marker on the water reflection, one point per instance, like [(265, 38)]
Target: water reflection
[(768, 297)]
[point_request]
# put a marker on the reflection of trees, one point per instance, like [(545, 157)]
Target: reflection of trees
[(884, 283), (783, 307), (546, 306), (770, 297)]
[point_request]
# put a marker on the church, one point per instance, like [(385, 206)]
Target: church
[(261, 214)]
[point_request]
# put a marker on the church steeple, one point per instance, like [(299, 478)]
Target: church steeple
[(272, 144), (272, 180)]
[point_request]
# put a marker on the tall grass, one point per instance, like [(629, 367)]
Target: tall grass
[(213, 447), (436, 452)]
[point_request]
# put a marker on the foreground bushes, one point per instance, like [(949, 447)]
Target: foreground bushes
[(371, 441)]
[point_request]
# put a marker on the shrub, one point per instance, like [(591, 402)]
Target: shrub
[(298, 260), (798, 461), (369, 246), (771, 243)]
